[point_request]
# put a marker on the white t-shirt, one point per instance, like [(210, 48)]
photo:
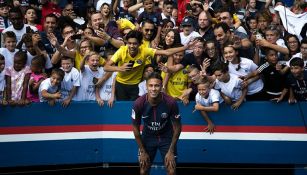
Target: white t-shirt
[(2, 83), (171, 18), (214, 96), (142, 88), (299, 55), (186, 39), (46, 85), (19, 33), (9, 56), (86, 91), (70, 80), (105, 91), (232, 88), (48, 64), (247, 66)]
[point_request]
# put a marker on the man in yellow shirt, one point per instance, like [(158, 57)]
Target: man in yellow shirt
[(129, 61)]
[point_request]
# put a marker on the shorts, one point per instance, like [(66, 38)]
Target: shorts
[(153, 144), (126, 92)]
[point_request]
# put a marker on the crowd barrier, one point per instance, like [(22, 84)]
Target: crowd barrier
[(85, 133)]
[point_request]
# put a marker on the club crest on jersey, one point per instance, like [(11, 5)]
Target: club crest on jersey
[(139, 61), (164, 115), (133, 114)]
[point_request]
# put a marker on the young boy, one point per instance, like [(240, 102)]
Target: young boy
[(71, 81), (274, 80), (4, 13), (167, 10), (188, 33), (207, 100), (49, 88), (9, 51), (297, 81), (229, 85)]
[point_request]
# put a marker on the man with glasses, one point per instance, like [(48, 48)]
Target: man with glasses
[(302, 54), (148, 30), (227, 18)]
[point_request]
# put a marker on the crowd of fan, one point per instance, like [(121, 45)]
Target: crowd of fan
[(208, 51)]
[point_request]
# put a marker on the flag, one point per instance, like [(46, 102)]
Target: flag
[(293, 23)]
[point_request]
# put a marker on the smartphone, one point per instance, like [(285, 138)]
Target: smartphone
[(95, 80), (258, 36), (76, 36), (131, 63), (101, 26)]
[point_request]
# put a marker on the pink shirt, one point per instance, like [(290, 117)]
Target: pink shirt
[(17, 79), (33, 97)]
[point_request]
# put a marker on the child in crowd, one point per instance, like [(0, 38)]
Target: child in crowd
[(242, 67), (4, 13), (178, 81), (36, 78), (296, 81), (9, 51), (274, 79), (229, 85), (2, 81), (35, 47), (107, 91), (149, 69), (71, 81), (188, 32), (90, 74), (207, 100), (17, 80), (49, 89)]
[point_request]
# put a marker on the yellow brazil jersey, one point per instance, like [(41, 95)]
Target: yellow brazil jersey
[(146, 44), (79, 57), (177, 83), (125, 24), (143, 58)]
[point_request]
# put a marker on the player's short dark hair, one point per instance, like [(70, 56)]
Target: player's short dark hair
[(155, 75)]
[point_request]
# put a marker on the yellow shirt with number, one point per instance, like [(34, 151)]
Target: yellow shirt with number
[(177, 82), (134, 76)]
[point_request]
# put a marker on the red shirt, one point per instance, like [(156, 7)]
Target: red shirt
[(50, 8)]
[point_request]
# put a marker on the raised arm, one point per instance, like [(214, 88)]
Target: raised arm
[(61, 49), (135, 7)]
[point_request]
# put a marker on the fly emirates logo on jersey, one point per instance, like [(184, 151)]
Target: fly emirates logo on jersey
[(156, 126)]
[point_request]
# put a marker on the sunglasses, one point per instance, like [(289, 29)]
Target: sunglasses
[(149, 30)]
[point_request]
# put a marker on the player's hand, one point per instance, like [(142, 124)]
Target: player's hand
[(170, 162), (144, 160)]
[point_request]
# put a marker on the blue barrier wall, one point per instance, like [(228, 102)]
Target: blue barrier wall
[(254, 120)]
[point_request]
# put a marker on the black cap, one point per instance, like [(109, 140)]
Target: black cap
[(187, 22)]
